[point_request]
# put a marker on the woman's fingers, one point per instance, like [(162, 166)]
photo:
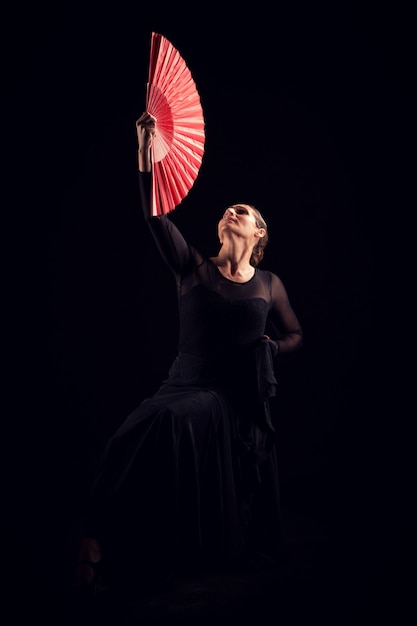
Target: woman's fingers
[(146, 119)]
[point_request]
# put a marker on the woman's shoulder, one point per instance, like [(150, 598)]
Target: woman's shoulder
[(196, 259), (271, 279), (267, 274)]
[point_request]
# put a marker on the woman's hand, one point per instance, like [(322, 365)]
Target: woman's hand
[(146, 130)]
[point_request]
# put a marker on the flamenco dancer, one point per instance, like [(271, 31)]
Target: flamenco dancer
[(188, 484)]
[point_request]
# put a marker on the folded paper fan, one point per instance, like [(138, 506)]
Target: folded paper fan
[(178, 147)]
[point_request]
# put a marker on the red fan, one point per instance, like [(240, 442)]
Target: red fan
[(178, 147)]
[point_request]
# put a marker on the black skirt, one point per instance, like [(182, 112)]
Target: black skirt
[(183, 488)]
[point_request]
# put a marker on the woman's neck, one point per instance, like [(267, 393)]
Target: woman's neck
[(234, 264)]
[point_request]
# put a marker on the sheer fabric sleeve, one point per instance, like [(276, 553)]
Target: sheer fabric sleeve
[(288, 334), (171, 244)]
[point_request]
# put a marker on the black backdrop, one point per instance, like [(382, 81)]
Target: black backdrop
[(310, 116)]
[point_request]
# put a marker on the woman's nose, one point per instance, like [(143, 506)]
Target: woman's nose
[(230, 211)]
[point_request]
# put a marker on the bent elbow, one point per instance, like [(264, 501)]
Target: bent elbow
[(298, 339)]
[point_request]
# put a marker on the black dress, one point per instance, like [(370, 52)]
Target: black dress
[(189, 482)]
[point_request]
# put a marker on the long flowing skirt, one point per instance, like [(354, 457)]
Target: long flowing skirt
[(175, 492)]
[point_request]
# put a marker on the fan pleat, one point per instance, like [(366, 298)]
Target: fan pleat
[(178, 148)]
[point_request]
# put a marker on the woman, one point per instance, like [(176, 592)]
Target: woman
[(188, 483)]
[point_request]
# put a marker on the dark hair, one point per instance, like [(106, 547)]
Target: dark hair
[(258, 249)]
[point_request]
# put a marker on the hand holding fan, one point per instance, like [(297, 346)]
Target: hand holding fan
[(178, 147)]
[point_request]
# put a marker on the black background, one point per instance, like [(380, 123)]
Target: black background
[(309, 114)]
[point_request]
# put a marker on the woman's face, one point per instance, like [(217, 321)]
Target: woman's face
[(239, 219)]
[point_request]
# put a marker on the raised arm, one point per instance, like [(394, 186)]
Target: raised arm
[(171, 244)]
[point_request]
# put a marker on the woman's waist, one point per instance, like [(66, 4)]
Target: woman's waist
[(213, 370)]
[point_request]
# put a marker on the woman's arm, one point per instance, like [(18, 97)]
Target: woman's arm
[(289, 335), (171, 244)]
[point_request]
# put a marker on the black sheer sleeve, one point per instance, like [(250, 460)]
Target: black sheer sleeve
[(283, 322), (173, 248)]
